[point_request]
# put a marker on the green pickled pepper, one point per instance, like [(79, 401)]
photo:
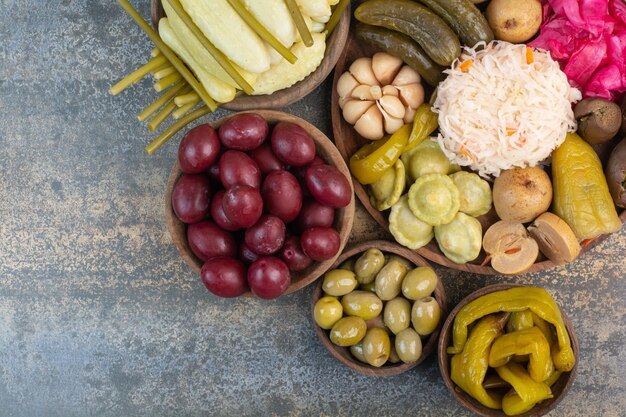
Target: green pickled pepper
[(581, 194)]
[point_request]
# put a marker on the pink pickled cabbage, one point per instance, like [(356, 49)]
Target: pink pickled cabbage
[(588, 39)]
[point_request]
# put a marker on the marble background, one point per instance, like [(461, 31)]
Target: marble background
[(100, 317)]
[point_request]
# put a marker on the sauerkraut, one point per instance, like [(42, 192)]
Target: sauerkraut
[(503, 106)]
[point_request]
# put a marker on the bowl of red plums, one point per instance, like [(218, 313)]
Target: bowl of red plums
[(259, 203)]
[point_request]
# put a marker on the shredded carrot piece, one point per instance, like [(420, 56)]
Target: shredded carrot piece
[(465, 65), (465, 152), (530, 58), (587, 242), (512, 251), (510, 131)]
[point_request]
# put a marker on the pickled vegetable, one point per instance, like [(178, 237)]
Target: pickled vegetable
[(368, 265), (427, 158), (386, 192), (461, 239), (581, 193), (362, 304), (434, 199), (474, 191), (389, 280), (407, 229), (348, 331)]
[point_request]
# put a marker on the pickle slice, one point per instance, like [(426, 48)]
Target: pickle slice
[(407, 229), (474, 191), (434, 199)]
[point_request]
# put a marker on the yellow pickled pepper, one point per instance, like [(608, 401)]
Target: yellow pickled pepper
[(580, 192)]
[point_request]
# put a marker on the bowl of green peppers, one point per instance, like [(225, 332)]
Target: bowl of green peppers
[(508, 350)]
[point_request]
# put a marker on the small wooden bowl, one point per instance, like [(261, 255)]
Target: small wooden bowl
[(349, 141), (287, 96), (559, 389), (343, 216), (342, 354)]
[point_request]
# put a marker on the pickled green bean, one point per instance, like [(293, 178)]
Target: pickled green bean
[(164, 72), (137, 75), (161, 116), (175, 127), (165, 82), (298, 20), (165, 97), (183, 110), (335, 17), (183, 99), (169, 54)]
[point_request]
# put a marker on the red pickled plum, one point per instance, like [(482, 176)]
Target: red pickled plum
[(293, 256), (190, 198), (320, 243), (314, 214), (244, 131), (224, 277), (265, 159), (282, 195), (242, 205), (266, 236), (218, 215), (328, 185), (292, 144), (198, 150), (207, 240), (246, 254), (268, 277), (237, 168)]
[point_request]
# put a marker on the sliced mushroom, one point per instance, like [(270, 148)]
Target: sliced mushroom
[(555, 238), (511, 249)]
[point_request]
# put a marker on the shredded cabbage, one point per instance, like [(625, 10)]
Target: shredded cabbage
[(498, 111)]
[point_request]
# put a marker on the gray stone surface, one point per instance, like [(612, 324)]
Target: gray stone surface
[(100, 317)]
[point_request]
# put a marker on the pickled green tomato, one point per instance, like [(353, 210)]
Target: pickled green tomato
[(434, 199), (348, 331), (339, 282), (327, 312), (419, 282), (425, 315)]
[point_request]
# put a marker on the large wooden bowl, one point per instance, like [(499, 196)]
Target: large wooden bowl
[(342, 354), (287, 96), (348, 142), (559, 389), (343, 217)]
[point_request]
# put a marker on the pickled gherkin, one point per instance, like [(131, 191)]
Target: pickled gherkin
[(581, 194)]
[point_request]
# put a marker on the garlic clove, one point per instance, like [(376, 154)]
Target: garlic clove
[(345, 84), (361, 69), (343, 100), (407, 75), (385, 67), (392, 106), (390, 90), (409, 115), (354, 109), (370, 124), (367, 92), (412, 95)]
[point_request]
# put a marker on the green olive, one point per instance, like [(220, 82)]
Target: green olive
[(362, 304), (339, 282), (419, 282), (408, 265), (371, 287), (348, 331), (425, 315), (327, 311), (368, 265), (376, 346), (397, 314), (389, 280), (393, 354), (348, 264), (357, 352), (408, 345)]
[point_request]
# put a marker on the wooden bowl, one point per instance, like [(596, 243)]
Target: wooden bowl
[(348, 142), (287, 96), (559, 389), (342, 354), (343, 216)]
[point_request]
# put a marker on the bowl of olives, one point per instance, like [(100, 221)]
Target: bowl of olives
[(379, 309), (259, 204)]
